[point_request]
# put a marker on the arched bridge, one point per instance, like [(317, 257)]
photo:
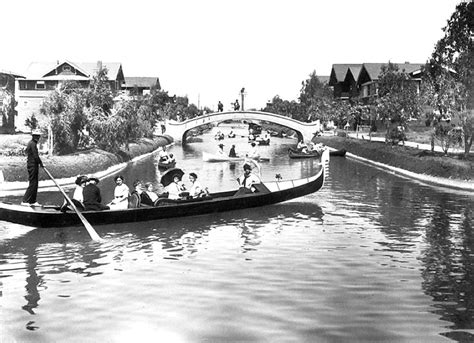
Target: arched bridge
[(178, 130)]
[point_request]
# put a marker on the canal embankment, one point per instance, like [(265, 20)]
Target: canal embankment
[(425, 166), (65, 168)]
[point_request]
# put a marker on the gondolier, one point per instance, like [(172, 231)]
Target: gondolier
[(33, 162)]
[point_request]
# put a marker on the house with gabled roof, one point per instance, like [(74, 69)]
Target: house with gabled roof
[(140, 85), (343, 79), (42, 78), (370, 73)]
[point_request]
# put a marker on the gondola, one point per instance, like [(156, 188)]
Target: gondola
[(207, 157), (294, 153), (268, 193)]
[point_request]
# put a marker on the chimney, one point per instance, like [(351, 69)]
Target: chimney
[(99, 65)]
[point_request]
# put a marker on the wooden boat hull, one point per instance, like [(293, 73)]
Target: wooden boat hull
[(218, 202), (340, 153), (293, 153), (164, 165)]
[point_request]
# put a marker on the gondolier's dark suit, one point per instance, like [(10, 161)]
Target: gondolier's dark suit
[(33, 162)]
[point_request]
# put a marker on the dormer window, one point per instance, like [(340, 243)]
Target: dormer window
[(66, 67), (40, 85)]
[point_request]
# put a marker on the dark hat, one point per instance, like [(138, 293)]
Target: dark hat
[(36, 133), (93, 179), (247, 166), (81, 179), (221, 145)]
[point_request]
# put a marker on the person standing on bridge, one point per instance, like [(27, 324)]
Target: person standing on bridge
[(236, 105), (220, 106)]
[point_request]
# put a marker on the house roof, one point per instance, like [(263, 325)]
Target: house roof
[(375, 69), (38, 70), (7, 72), (340, 70), (141, 82)]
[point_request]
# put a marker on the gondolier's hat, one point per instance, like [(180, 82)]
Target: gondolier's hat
[(81, 179), (36, 133)]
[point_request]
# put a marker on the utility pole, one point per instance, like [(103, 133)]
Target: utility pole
[(242, 95)]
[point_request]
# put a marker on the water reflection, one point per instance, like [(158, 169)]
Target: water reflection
[(407, 241)]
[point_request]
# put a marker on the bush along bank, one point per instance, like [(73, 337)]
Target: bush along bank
[(85, 162), (450, 167)]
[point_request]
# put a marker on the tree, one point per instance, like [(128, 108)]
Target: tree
[(99, 93), (64, 110), (315, 99), (449, 76), (398, 98)]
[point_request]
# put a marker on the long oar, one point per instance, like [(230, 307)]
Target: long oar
[(87, 225)]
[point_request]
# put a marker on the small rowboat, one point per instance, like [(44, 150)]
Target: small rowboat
[(166, 165), (268, 193), (207, 157), (294, 153)]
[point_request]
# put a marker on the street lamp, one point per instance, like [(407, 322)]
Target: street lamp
[(242, 95)]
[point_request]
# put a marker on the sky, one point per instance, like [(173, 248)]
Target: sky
[(209, 50)]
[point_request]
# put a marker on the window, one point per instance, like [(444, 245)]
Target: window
[(66, 68), (40, 85)]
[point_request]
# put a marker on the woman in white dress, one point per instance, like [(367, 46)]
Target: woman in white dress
[(121, 194), (197, 190)]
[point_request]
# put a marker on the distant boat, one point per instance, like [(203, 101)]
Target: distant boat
[(166, 165), (295, 153), (207, 157)]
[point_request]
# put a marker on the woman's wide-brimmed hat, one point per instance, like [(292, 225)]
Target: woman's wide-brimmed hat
[(93, 179), (81, 179)]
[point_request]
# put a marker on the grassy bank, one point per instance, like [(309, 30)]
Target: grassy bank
[(415, 160), (82, 162)]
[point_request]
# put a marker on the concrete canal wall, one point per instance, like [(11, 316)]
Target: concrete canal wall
[(65, 169)]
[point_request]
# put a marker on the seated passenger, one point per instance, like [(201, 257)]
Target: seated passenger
[(253, 153), (196, 190), (171, 158), (221, 149), (302, 146), (77, 196), (232, 151), (92, 197), (121, 193), (163, 154), (135, 198), (149, 197), (176, 188), (248, 179)]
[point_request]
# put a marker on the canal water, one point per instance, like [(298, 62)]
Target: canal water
[(372, 257)]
